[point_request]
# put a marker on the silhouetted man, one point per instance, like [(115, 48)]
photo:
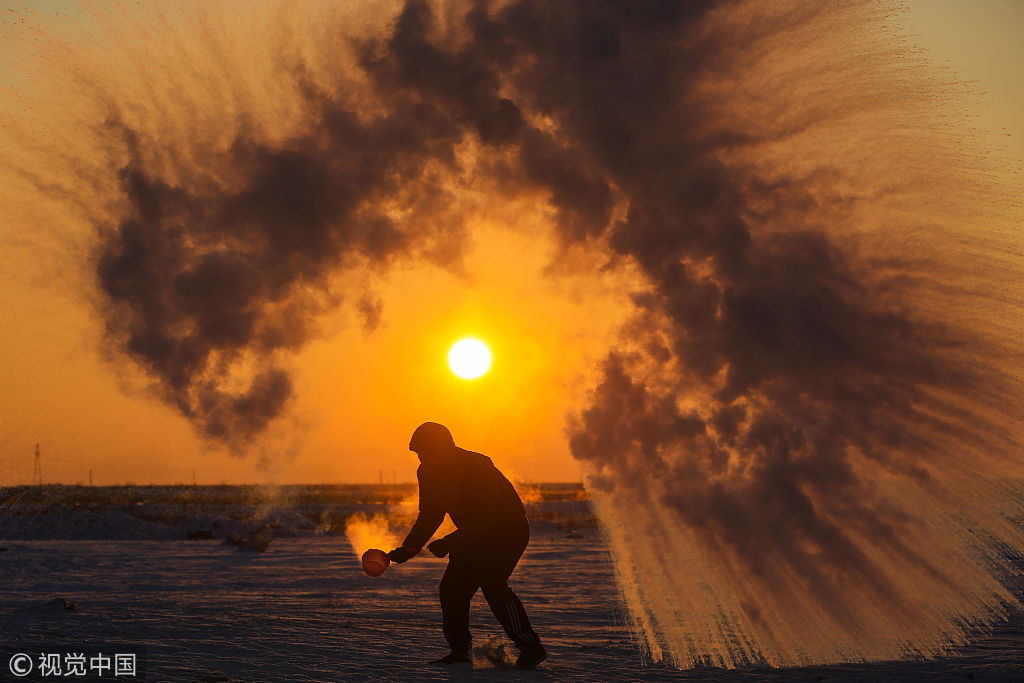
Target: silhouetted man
[(491, 535)]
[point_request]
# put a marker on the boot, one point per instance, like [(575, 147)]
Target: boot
[(531, 656)]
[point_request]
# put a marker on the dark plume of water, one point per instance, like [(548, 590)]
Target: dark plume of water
[(800, 446)]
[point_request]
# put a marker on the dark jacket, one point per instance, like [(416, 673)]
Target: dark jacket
[(467, 486)]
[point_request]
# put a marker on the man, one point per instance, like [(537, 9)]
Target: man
[(492, 532)]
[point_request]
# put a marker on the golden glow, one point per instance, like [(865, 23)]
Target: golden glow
[(548, 314), (469, 358)]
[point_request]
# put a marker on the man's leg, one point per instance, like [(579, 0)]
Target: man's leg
[(510, 613), (458, 586), (505, 604)]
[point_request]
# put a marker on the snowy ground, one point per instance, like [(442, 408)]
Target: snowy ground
[(304, 611)]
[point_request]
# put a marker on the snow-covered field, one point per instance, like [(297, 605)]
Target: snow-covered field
[(303, 610)]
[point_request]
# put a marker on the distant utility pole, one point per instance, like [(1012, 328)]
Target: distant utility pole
[(37, 472)]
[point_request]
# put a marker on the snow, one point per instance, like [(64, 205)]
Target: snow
[(303, 610)]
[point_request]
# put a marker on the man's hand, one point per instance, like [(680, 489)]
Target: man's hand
[(402, 554), (439, 548)]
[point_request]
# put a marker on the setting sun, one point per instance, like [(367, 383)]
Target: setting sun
[(469, 358)]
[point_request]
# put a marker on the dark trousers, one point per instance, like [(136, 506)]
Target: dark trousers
[(487, 566)]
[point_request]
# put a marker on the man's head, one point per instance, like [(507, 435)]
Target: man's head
[(431, 441)]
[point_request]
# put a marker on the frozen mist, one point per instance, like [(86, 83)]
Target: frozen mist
[(807, 445)]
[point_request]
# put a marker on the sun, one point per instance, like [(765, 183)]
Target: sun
[(469, 358)]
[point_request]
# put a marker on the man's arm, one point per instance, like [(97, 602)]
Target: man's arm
[(464, 537), (425, 526), (473, 532), (431, 515)]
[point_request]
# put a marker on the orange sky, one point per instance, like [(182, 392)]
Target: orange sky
[(359, 393)]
